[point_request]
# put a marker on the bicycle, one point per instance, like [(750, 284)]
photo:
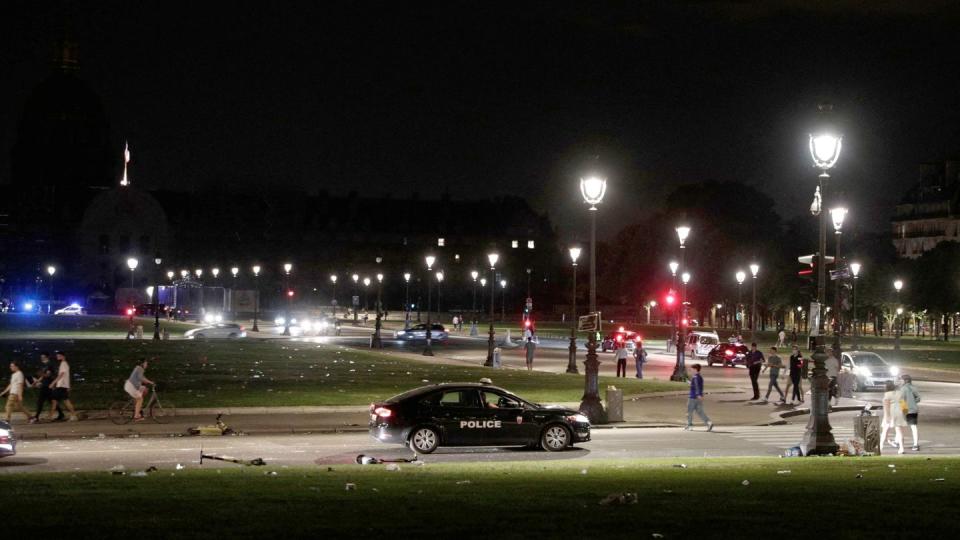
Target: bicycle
[(121, 412)]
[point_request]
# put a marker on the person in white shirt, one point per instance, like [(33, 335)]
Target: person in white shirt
[(61, 388), (833, 371), (15, 391)]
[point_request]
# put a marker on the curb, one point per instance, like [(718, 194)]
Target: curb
[(322, 430)]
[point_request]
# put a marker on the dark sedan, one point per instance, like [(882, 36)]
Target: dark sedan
[(473, 414), (728, 355)]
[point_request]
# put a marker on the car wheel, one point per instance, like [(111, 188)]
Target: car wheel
[(555, 438), (232, 336), (709, 363), (424, 440), (199, 336)]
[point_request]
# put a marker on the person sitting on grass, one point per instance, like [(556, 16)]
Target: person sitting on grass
[(134, 386)]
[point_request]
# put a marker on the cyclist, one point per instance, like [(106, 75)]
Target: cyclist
[(136, 388)]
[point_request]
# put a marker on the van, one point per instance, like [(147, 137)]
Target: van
[(699, 343)]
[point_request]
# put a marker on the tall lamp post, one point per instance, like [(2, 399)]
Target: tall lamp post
[(333, 300), (650, 305), (439, 294), (132, 264), (493, 258), (741, 276), (366, 289), (818, 438), (287, 267), (375, 342), (754, 270), (406, 300), (897, 285), (429, 259), (156, 298), (679, 368), (233, 287), (51, 270), (672, 340), (200, 312), (256, 301), (855, 270), (483, 288), (355, 301), (473, 318), (572, 359), (503, 300), (836, 215), (592, 189)]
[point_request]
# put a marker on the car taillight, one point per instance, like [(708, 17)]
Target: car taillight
[(4, 439), (382, 412), (242, 329), (728, 352)]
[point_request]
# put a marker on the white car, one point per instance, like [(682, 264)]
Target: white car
[(872, 371), (72, 309), (8, 442), (217, 331), (700, 343)]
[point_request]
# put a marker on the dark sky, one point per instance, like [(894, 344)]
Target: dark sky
[(508, 97)]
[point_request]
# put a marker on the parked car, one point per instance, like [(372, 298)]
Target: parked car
[(871, 370), (8, 441), (217, 331), (700, 343), (728, 355), (72, 309), (473, 414), (419, 333)]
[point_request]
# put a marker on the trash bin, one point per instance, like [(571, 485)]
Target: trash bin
[(496, 357), (614, 404), (139, 331), (166, 334), (867, 428)]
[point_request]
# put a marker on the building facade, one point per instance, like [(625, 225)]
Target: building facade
[(930, 212)]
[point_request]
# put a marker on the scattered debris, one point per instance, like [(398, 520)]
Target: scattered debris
[(787, 471), (138, 474), (101, 435), (657, 535), (179, 467), (619, 499), (350, 486), (892, 466), (680, 466), (392, 467), (247, 462), (118, 470), (937, 479), (583, 471), (462, 482), (745, 482), (151, 469), (859, 476)]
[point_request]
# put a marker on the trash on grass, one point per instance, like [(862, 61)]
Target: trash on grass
[(619, 499), (350, 486), (787, 471), (680, 466), (745, 482)]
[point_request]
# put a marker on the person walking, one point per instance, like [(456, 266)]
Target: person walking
[(640, 356), (774, 364), (833, 373), (15, 392), (621, 360), (910, 395), (61, 388), (43, 382), (782, 338), (530, 347), (456, 322), (695, 401), (892, 417), (796, 371), (754, 362)]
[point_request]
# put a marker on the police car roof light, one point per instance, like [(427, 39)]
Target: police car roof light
[(486, 380)]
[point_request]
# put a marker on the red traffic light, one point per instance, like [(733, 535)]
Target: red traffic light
[(527, 323), (669, 300), (129, 311), (619, 338), (290, 293), (684, 322)]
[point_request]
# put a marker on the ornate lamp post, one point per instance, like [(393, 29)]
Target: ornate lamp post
[(429, 259), (473, 319), (650, 305), (672, 340), (503, 300), (287, 267), (132, 264), (754, 270), (256, 301), (333, 300), (171, 275), (483, 287), (897, 285), (818, 438), (51, 270), (375, 342), (156, 299), (406, 300), (679, 368), (356, 305), (493, 258), (741, 276), (199, 272), (216, 273), (836, 215), (439, 295), (572, 359), (593, 189), (855, 270), (366, 288)]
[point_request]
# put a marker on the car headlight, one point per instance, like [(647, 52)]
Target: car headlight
[(279, 321), (894, 370), (306, 326), (578, 418), (865, 371), (323, 324)]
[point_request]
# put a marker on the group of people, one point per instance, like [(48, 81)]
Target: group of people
[(798, 371), (900, 409), (52, 383), (639, 358)]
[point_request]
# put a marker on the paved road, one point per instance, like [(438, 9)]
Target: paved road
[(937, 438)]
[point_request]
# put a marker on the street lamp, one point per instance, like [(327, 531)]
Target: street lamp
[(650, 305), (671, 341), (818, 439), (741, 276), (855, 270), (406, 300), (483, 287), (375, 342), (256, 301), (355, 301), (492, 258), (234, 271), (366, 287), (170, 275), (200, 312), (184, 274), (216, 272), (836, 215), (572, 358), (754, 270), (287, 267), (428, 351), (333, 302), (439, 295), (51, 270), (473, 326), (593, 188), (155, 298), (679, 368), (132, 264), (898, 284), (503, 300)]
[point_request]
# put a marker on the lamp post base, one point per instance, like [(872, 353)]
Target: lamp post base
[(572, 360), (490, 347), (428, 351), (818, 438), (590, 404), (375, 342)]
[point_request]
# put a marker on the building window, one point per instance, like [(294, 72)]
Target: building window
[(514, 244), (441, 242), (530, 244)]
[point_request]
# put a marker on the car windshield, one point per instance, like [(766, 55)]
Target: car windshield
[(869, 360), (708, 340)]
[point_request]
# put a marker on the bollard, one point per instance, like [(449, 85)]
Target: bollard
[(139, 331), (614, 404), (496, 357)]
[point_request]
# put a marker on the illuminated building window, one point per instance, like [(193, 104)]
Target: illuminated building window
[(530, 244), (456, 257), (441, 242), (515, 244)]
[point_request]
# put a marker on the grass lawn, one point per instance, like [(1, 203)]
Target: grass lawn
[(14, 325), (277, 373), (819, 498)]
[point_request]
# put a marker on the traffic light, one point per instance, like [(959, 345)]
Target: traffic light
[(684, 322), (671, 299), (290, 293)]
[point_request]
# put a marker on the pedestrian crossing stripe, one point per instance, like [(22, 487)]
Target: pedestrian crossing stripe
[(779, 436)]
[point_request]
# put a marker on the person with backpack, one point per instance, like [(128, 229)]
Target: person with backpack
[(893, 417), (640, 356), (910, 397)]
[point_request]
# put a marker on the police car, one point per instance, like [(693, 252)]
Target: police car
[(473, 414)]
